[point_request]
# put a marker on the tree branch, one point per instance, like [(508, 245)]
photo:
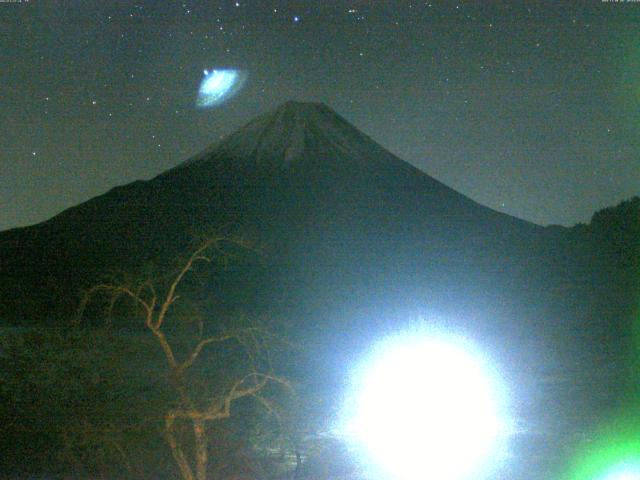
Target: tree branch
[(116, 291), (222, 409), (198, 348), (171, 296)]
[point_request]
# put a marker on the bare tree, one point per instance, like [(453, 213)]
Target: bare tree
[(252, 343)]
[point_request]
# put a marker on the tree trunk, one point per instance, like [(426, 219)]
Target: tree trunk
[(176, 451), (200, 434)]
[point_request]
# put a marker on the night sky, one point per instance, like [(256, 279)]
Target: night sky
[(532, 108)]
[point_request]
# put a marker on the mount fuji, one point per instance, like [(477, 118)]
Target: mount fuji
[(334, 211)]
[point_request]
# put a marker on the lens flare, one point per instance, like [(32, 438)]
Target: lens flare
[(612, 454), (218, 86), (623, 472), (427, 408)]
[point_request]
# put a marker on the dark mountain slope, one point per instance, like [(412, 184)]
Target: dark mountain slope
[(316, 192)]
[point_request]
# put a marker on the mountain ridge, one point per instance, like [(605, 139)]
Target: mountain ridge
[(270, 142)]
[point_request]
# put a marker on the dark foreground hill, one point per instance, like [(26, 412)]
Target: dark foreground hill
[(355, 242)]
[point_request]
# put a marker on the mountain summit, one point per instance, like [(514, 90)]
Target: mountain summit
[(293, 129)]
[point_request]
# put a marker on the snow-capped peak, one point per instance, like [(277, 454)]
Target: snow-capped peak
[(293, 131)]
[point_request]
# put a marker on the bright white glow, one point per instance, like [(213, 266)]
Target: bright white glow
[(427, 407), (624, 472), (218, 86)]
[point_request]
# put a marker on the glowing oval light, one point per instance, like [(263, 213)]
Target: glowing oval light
[(217, 86), (427, 408)]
